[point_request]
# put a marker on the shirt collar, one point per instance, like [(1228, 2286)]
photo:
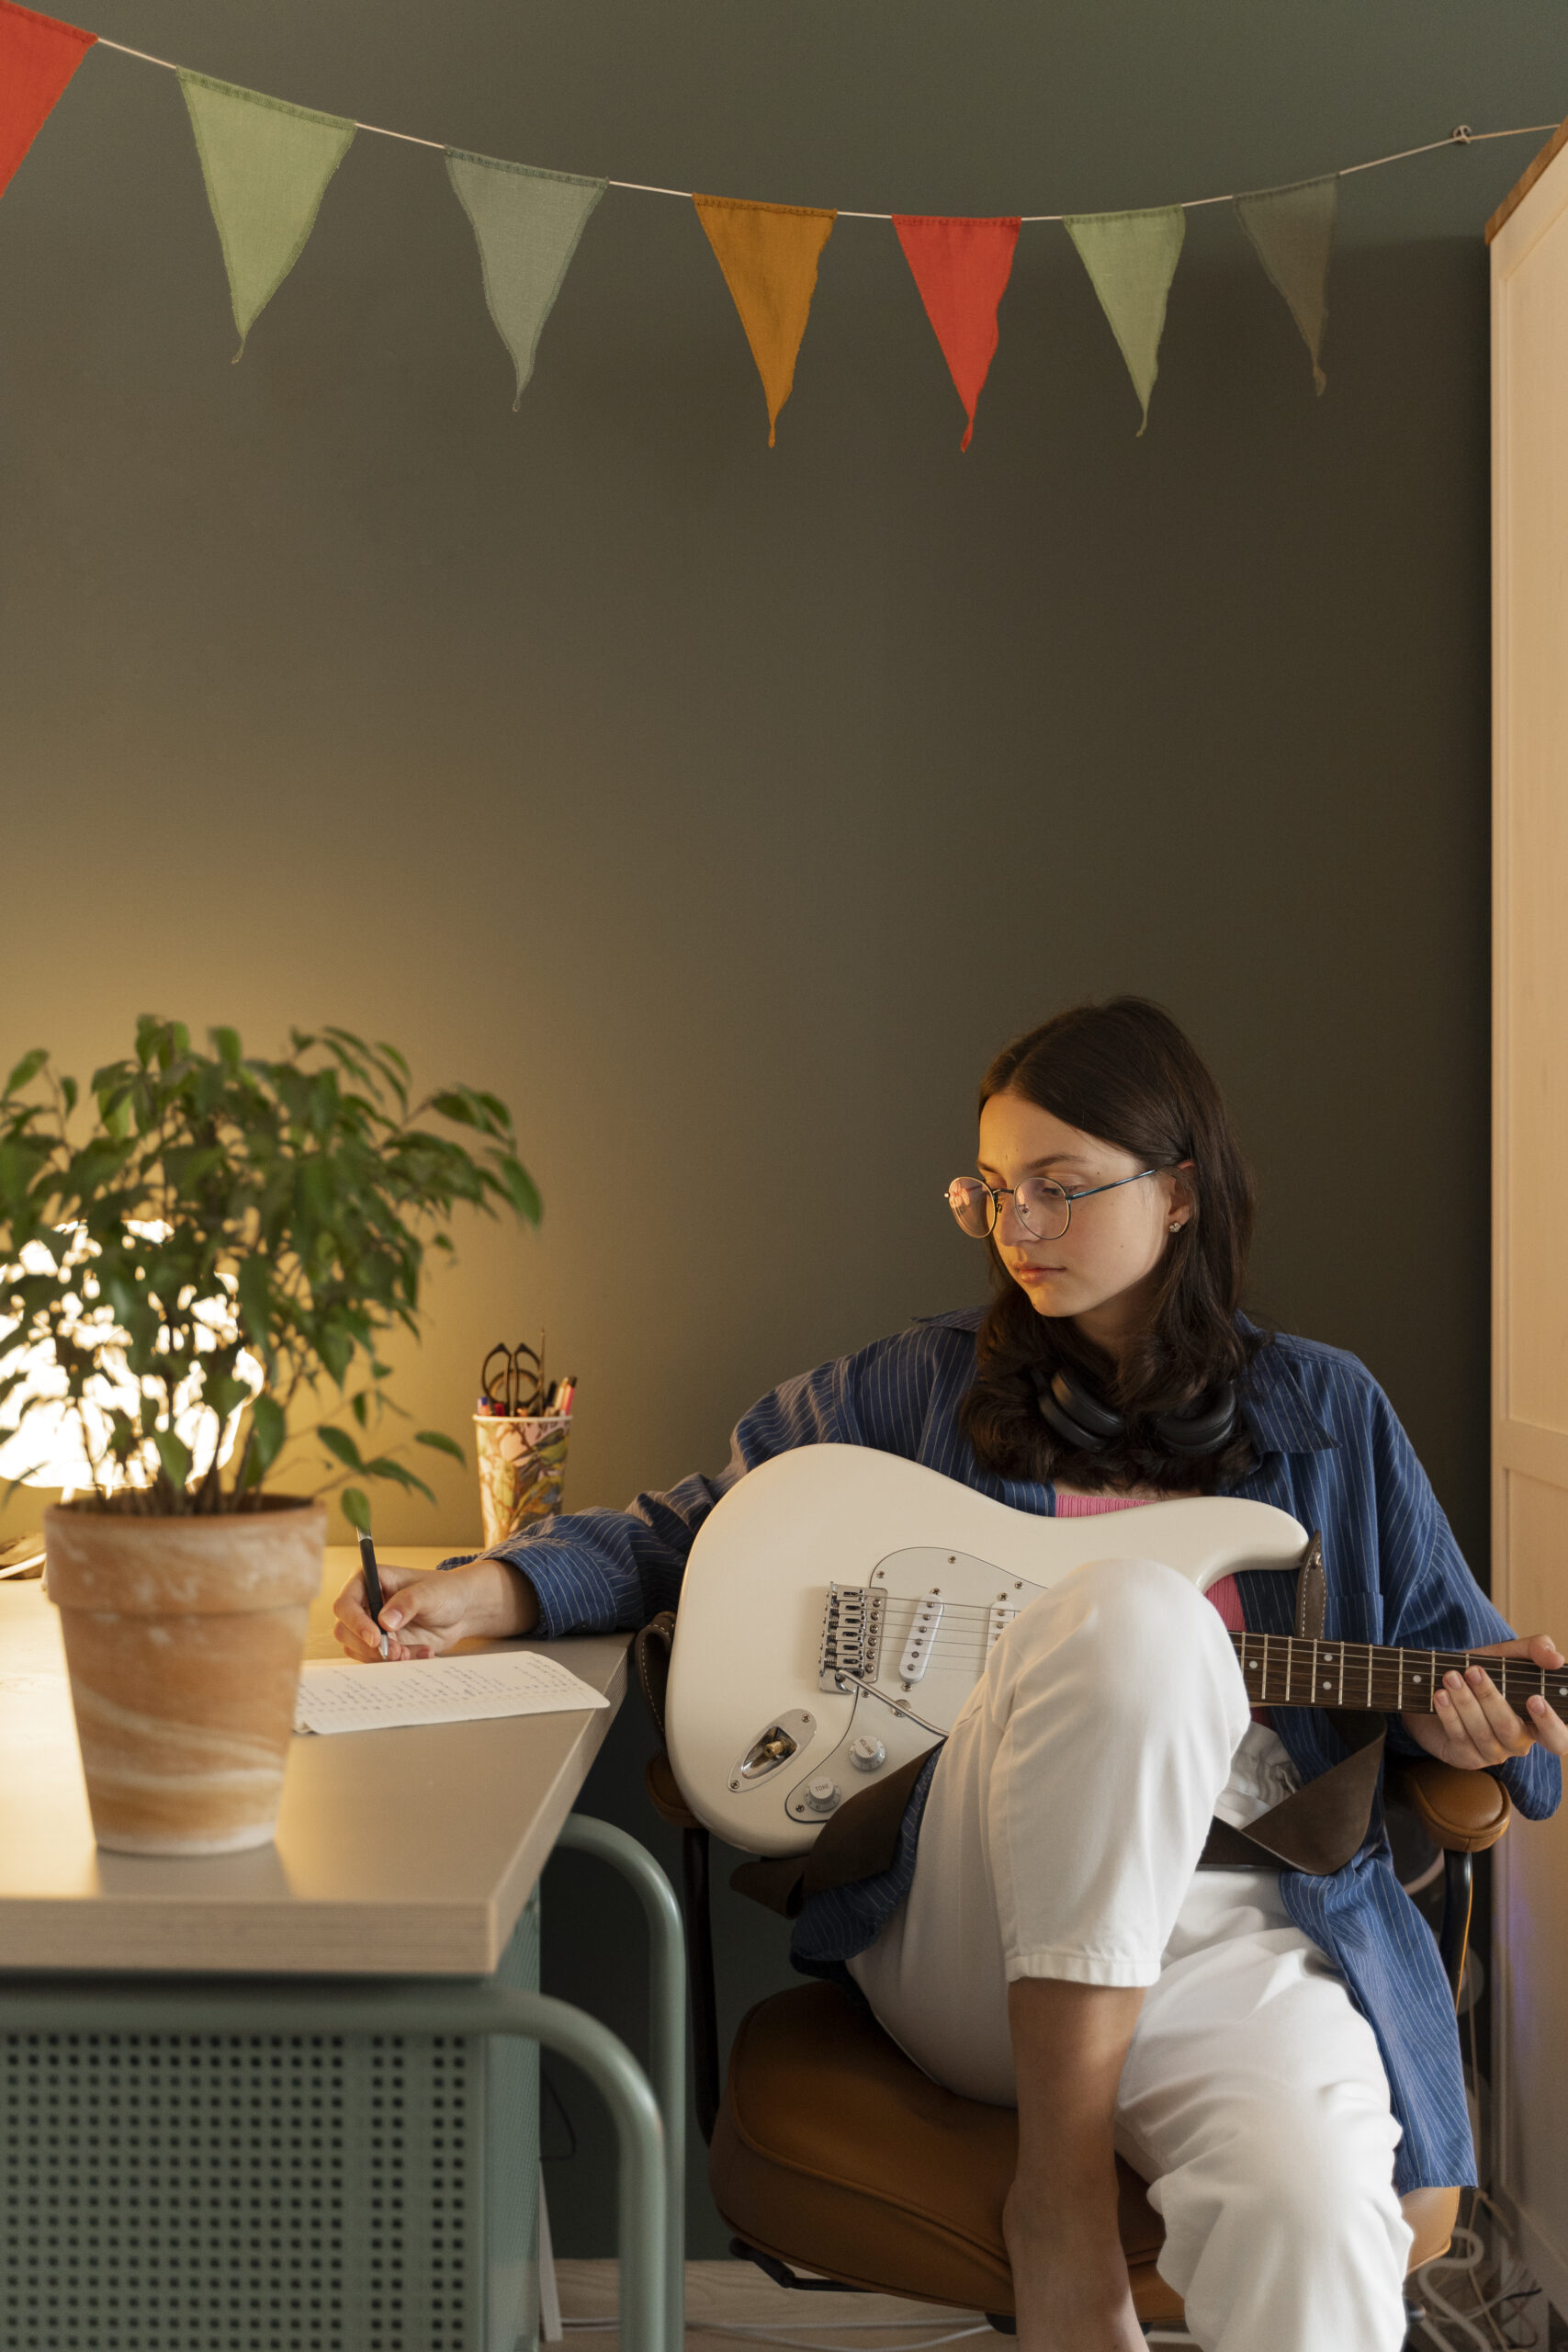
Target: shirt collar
[(1275, 1407)]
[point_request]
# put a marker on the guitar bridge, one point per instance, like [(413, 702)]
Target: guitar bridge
[(852, 1635)]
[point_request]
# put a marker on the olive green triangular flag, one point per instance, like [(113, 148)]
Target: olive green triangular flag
[(527, 224), (266, 166), (1292, 229), (1131, 258)]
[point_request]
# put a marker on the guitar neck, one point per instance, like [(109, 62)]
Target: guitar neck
[(1283, 1670)]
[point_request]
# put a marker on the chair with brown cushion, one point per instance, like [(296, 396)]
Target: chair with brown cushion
[(828, 2148)]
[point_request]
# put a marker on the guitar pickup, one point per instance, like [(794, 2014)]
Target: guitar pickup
[(917, 1648), (998, 1617), (852, 1635)]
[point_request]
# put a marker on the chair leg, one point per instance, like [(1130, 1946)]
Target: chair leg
[(782, 2276), (699, 1957), (1453, 1939)]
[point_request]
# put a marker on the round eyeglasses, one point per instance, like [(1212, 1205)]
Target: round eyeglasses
[(1044, 1209)]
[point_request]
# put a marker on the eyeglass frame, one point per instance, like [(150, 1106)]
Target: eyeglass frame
[(997, 1194)]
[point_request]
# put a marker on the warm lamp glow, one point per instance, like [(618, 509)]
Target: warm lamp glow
[(46, 1440)]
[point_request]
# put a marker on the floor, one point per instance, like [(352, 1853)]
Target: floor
[(737, 2292)]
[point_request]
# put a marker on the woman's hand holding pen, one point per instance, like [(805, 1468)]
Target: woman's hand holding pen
[(424, 1613)]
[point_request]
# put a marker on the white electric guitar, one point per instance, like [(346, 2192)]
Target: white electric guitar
[(839, 1605)]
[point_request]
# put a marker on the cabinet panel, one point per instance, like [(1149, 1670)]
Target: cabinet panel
[(1533, 1900), (1532, 686)]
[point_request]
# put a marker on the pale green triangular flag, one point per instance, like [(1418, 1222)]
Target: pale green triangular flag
[(527, 224), (1292, 229), (266, 166), (1131, 258)]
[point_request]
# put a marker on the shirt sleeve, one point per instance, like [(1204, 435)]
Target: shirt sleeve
[(610, 1571), (1432, 1601)]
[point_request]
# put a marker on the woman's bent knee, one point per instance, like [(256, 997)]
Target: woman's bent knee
[(1132, 1620)]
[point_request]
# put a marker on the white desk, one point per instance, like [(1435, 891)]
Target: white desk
[(477, 1807), (247, 2101)]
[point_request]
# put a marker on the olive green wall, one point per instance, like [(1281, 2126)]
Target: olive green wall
[(724, 809)]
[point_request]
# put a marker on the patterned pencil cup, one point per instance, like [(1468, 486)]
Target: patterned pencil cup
[(522, 1470)]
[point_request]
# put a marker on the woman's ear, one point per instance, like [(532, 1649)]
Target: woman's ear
[(1183, 1197)]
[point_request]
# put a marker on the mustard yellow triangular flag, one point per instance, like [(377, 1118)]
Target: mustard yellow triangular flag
[(769, 254)]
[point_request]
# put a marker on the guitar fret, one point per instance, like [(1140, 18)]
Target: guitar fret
[(1282, 1669)]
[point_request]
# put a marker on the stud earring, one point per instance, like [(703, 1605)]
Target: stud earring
[(1176, 1227)]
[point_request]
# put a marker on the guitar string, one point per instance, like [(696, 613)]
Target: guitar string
[(1329, 1645), (1357, 1651), (1519, 1677)]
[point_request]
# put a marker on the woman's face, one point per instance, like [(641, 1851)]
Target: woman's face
[(1101, 1270)]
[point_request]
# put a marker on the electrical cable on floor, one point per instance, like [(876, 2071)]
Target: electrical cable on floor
[(765, 2337), (1467, 2252)]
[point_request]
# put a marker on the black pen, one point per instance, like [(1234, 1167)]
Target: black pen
[(372, 1583)]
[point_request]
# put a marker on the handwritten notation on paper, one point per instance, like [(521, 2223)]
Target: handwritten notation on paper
[(338, 1696)]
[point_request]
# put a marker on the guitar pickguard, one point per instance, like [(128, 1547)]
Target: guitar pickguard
[(839, 1607)]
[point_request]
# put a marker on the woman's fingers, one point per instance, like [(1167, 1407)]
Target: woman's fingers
[(1549, 1726), (1474, 1710), (357, 1631), (353, 1626)]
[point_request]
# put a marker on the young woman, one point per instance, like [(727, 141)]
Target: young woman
[(1272, 2050)]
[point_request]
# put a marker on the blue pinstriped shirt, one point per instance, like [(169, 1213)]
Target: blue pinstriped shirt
[(1332, 1453)]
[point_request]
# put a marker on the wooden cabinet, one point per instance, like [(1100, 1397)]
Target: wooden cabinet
[(1529, 1377)]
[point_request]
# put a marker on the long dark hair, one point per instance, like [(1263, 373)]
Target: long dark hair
[(1128, 1074)]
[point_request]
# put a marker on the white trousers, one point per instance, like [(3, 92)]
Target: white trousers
[(1065, 1817)]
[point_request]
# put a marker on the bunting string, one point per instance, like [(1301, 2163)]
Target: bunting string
[(1461, 136), (266, 166)]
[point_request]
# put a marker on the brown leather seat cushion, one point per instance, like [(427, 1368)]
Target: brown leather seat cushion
[(834, 2152), (1462, 1812)]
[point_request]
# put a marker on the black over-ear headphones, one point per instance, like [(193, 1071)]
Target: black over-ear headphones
[(1083, 1420)]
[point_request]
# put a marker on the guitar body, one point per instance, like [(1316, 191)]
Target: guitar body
[(839, 1607)]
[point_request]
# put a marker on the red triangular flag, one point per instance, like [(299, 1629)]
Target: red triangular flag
[(38, 57), (962, 269)]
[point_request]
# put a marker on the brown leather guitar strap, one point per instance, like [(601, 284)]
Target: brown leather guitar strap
[(1321, 1826)]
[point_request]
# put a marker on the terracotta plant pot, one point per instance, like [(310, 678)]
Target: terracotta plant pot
[(184, 1638)]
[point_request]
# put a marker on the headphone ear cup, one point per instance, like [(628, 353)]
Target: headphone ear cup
[(1079, 1420), (1203, 1431)]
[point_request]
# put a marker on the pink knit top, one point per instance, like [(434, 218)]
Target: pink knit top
[(1225, 1595)]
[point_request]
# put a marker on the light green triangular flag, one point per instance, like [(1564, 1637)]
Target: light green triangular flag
[(1292, 231), (267, 166), (527, 224), (1131, 258)]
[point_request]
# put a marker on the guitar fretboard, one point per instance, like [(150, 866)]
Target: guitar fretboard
[(1283, 1670)]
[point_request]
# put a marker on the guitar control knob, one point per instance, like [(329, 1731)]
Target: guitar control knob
[(822, 1796), (867, 1753)]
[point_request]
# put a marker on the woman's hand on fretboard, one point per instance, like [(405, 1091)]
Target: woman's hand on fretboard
[(1475, 1726)]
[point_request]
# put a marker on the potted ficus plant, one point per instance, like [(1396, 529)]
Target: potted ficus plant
[(199, 1287)]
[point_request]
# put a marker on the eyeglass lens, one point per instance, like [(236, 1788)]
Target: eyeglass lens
[(1042, 1209)]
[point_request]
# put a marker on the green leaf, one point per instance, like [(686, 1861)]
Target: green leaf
[(228, 1044), (356, 1508), (27, 1069), (441, 1442), (399, 1473), (338, 1443), (521, 1188), (456, 1107), (268, 1428), (174, 1455), (255, 1294)]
